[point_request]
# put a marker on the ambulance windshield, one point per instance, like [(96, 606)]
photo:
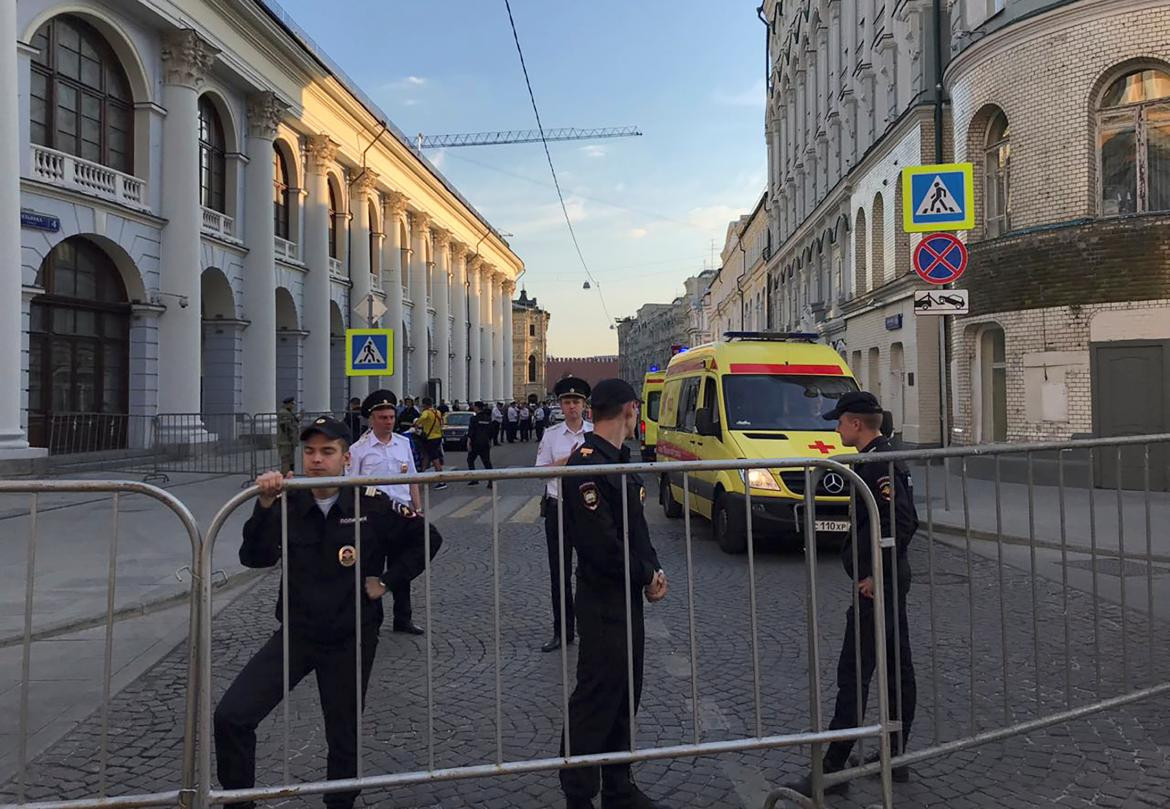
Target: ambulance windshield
[(782, 402)]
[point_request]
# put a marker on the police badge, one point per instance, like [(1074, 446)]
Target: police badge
[(347, 555)]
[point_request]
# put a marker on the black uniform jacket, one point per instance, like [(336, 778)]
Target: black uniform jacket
[(479, 431), (876, 474), (593, 521), (321, 583)]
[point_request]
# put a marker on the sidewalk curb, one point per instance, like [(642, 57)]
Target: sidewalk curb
[(959, 531), (240, 579)]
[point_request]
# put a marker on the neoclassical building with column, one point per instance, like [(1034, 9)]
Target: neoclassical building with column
[(197, 207)]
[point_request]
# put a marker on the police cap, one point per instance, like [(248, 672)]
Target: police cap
[(328, 427), (573, 387), (290, 399), (377, 400), (858, 402), (613, 393)]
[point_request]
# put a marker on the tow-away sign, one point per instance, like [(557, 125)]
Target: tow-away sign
[(941, 302)]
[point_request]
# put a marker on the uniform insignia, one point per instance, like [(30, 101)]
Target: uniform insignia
[(403, 468), (372, 491), (642, 494), (585, 451), (404, 510), (319, 421), (347, 555), (590, 496), (885, 487)]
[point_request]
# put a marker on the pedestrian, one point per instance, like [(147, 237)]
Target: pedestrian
[(859, 422), (540, 421), (288, 427), (479, 440), (599, 709), (497, 423), (555, 448), (321, 615), (444, 408), (353, 418), (429, 433), (525, 423), (513, 421), (407, 415), (381, 451)]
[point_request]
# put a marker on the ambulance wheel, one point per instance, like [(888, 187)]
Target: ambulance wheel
[(727, 524), (670, 507)]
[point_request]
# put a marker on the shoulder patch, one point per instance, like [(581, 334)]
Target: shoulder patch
[(589, 495), (885, 487), (373, 491), (585, 451)]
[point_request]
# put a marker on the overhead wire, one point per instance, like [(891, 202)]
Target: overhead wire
[(551, 168)]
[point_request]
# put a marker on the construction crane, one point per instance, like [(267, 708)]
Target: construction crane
[(521, 136)]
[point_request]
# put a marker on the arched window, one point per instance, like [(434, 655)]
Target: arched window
[(531, 329), (212, 165), (1133, 124), (997, 156), (878, 240), (531, 367), (279, 192), (859, 257), (79, 100), (332, 222)]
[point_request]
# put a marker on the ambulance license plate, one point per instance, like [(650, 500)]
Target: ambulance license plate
[(832, 526)]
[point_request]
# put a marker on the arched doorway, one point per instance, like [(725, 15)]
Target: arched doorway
[(79, 350), (289, 346), (338, 382), (222, 352)]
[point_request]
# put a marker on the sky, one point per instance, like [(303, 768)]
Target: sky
[(688, 73)]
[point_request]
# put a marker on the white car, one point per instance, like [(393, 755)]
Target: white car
[(555, 415)]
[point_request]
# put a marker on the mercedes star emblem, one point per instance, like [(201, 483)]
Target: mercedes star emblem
[(833, 483)]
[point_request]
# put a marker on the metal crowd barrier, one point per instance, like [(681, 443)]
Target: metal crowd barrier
[(817, 736), (101, 441), (205, 443), (182, 790)]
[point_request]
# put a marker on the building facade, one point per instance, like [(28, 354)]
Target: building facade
[(204, 206), (591, 369), (737, 294), (649, 338), (529, 347)]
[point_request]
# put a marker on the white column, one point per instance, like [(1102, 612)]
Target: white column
[(441, 283), (419, 236), (503, 382), (321, 151), (474, 376), (487, 378), (393, 209), (264, 113), (459, 328), (186, 58), (508, 342), (359, 263), (13, 442)]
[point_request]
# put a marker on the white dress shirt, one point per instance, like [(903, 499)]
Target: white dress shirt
[(558, 443), (369, 456)]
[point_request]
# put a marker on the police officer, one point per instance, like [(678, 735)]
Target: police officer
[(479, 440), (382, 451), (287, 427), (599, 713), (860, 420), (555, 448), (322, 554)]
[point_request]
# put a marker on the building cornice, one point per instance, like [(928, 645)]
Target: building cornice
[(78, 198)]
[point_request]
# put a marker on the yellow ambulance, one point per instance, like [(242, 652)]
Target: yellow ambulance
[(651, 398), (754, 395)]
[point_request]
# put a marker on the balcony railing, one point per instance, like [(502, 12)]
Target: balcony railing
[(335, 270), (218, 224), (286, 250), (69, 171)]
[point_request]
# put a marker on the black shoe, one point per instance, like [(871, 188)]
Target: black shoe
[(635, 799), (804, 785), (473, 483), (408, 627), (440, 486), (554, 643), (900, 774), (578, 803)]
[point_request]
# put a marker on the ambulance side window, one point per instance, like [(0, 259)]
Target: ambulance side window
[(711, 397), (689, 401), (670, 398)]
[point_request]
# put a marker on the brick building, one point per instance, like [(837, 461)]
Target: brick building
[(1060, 105), (591, 369), (529, 347)]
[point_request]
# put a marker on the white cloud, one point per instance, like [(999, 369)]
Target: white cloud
[(637, 233), (415, 80), (713, 217), (754, 96), (593, 150)]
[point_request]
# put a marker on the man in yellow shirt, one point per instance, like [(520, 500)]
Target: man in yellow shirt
[(429, 429)]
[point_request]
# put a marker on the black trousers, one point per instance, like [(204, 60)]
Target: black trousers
[(258, 689), (511, 428), (496, 433), (845, 714), (560, 557), (483, 453), (599, 708), (402, 608), (539, 430)]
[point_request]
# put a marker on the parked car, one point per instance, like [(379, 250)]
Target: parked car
[(455, 430), (555, 415)]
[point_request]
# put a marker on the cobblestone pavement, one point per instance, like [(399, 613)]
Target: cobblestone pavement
[(1116, 759)]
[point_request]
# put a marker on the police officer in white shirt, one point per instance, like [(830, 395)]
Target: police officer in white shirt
[(381, 451), (556, 446)]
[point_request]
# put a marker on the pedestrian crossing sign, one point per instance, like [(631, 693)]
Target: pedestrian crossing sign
[(938, 197), (369, 352)]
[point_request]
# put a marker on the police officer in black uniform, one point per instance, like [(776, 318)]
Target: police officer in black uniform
[(599, 707), (322, 554), (860, 421)]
